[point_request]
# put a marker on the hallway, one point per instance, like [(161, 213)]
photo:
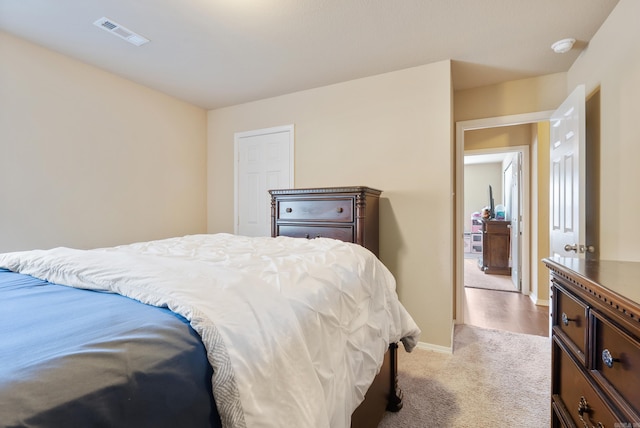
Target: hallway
[(503, 310)]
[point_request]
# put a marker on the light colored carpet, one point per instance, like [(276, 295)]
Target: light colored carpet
[(475, 278), (492, 379)]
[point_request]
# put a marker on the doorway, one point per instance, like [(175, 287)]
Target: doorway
[(494, 180), (498, 300), (528, 247)]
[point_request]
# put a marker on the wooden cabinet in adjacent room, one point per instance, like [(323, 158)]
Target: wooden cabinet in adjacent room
[(496, 247), (595, 347), (349, 214)]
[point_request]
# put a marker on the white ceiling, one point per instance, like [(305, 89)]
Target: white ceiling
[(216, 53)]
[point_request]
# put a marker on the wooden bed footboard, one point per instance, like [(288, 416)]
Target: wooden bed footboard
[(383, 394)]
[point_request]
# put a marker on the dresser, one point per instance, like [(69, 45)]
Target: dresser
[(595, 349), (349, 214), (496, 247)]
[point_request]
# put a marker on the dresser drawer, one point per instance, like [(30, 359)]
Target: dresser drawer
[(617, 359), (335, 210), (570, 317), (341, 233), (576, 396), (349, 214)]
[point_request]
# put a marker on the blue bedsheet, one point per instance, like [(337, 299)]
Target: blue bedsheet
[(78, 358)]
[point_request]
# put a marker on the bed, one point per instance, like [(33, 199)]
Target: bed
[(201, 330)]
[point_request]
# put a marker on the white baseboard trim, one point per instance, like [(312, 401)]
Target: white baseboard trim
[(435, 348), (537, 301)]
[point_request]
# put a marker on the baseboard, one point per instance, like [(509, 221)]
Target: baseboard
[(435, 348), (538, 302)]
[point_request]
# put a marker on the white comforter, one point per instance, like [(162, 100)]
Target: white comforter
[(295, 329)]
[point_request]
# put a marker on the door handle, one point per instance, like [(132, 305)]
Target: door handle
[(579, 248)]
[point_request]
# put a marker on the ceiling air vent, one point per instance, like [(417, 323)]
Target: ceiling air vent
[(120, 31)]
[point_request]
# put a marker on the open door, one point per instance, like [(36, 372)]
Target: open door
[(513, 203), (567, 181)]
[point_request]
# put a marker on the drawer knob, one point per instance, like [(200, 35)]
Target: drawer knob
[(288, 209), (608, 359), (339, 209), (566, 319)]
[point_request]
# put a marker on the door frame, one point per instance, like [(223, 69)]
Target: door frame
[(236, 162), (530, 242)]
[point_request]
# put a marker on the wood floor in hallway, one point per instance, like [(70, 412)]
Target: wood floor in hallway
[(503, 310)]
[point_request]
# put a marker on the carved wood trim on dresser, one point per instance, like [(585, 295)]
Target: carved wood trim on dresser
[(595, 317)]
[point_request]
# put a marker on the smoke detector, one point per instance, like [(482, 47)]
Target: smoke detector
[(120, 31), (563, 46)]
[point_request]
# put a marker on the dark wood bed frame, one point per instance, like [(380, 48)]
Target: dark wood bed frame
[(383, 394)]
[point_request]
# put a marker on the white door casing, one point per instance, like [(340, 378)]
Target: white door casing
[(513, 203), (263, 161), (567, 177)]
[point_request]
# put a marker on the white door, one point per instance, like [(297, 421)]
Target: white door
[(513, 204), (567, 169), (264, 161)]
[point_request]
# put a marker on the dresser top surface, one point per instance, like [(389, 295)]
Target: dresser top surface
[(622, 278), (343, 189)]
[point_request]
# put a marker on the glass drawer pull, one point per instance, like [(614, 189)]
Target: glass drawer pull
[(608, 359)]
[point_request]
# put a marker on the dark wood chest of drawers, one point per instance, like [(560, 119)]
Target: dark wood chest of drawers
[(496, 247), (349, 214), (595, 343)]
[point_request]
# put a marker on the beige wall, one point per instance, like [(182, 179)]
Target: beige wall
[(499, 137), (392, 132), (477, 178), (612, 63), (90, 159), (516, 97), (540, 211)]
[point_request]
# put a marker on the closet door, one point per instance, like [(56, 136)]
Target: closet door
[(263, 161)]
